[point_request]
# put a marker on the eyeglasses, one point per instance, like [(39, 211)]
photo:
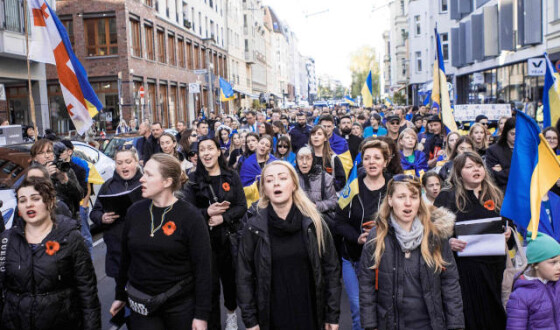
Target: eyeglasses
[(404, 178), (193, 135), (126, 146), (282, 146), (485, 124), (551, 138)]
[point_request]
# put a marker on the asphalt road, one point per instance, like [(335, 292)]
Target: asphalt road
[(106, 291)]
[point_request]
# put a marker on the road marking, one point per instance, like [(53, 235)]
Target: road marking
[(99, 241)]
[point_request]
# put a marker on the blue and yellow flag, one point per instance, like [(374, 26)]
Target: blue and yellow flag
[(367, 91), (351, 188), (92, 175), (340, 147), (440, 91), (350, 100), (551, 95), (250, 174), (535, 170), (388, 102), (226, 91)]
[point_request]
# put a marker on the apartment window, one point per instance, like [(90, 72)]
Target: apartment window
[(402, 7), (444, 37), (199, 23), (101, 36), (403, 64), (190, 65), (556, 10), (211, 3), (417, 25), (443, 6), (69, 26), (161, 46), (181, 52), (150, 47), (136, 49), (206, 25), (171, 49), (418, 61), (12, 15), (196, 56), (403, 36)]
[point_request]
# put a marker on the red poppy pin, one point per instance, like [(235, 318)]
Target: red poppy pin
[(51, 247), (489, 205), (169, 228), (329, 170), (225, 186)]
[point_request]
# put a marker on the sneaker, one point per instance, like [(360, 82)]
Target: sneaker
[(231, 321)]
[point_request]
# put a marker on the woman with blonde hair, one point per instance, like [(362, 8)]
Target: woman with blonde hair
[(474, 195), (413, 161), (407, 249), (479, 135), (288, 275)]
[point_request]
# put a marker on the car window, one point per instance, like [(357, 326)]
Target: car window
[(113, 145), (91, 154), (82, 155)]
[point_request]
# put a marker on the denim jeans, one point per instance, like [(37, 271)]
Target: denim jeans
[(350, 276), (84, 228)]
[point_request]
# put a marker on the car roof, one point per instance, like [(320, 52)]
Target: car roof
[(14, 160)]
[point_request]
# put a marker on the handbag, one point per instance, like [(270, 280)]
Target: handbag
[(514, 265), (145, 304)]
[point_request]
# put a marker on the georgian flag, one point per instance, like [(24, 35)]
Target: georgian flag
[(50, 44)]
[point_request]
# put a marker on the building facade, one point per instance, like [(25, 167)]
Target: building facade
[(398, 35)]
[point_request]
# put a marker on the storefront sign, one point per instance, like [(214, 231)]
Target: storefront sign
[(468, 112), (2, 92), (478, 78), (536, 67), (194, 88)]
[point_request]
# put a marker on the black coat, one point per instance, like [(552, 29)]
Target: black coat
[(353, 144), (197, 191), (299, 136), (71, 193), (254, 272), (150, 146), (501, 155), (113, 232), (41, 291), (440, 290)]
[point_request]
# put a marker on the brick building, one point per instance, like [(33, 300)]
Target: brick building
[(155, 44)]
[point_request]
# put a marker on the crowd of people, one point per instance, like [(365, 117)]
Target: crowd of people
[(283, 251)]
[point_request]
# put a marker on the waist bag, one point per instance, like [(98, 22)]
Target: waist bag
[(145, 304)]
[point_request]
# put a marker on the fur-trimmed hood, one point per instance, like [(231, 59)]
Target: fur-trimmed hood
[(444, 220)]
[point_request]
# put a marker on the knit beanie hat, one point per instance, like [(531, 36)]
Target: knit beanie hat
[(541, 248)]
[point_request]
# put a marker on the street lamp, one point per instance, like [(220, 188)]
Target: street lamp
[(207, 42)]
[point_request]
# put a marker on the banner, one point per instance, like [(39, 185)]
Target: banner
[(468, 112)]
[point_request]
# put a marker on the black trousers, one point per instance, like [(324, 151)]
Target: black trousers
[(222, 271), (176, 314)]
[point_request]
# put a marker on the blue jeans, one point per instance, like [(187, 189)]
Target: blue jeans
[(84, 228), (350, 276)]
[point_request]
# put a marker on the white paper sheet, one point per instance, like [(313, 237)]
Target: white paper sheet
[(483, 245)]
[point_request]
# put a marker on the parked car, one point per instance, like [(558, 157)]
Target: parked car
[(104, 164), (118, 140)]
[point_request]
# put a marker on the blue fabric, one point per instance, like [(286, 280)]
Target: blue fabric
[(420, 163), (291, 158), (545, 226), (381, 131), (338, 144), (84, 229), (349, 274), (250, 169)]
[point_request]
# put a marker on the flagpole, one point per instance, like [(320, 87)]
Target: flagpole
[(31, 101)]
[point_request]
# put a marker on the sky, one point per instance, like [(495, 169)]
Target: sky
[(330, 37)]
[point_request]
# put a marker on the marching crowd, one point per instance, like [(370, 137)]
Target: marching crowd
[(262, 207)]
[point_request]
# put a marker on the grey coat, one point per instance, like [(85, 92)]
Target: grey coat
[(441, 290), (326, 202)]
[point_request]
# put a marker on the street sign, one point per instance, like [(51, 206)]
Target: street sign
[(536, 67), (141, 91), (201, 71), (194, 88), (2, 92)]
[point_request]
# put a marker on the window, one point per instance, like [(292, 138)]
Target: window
[(556, 10), (171, 49), (189, 56), (69, 26), (417, 26), (161, 46), (199, 23), (150, 47), (181, 52), (418, 61), (12, 15), (443, 6), (404, 35), (196, 56), (402, 7), (403, 63), (192, 19), (445, 45), (101, 36), (149, 3), (136, 49)]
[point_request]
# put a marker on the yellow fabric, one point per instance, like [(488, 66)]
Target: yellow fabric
[(346, 160), (349, 191), (92, 110), (251, 193), (545, 175), (554, 100), (366, 96)]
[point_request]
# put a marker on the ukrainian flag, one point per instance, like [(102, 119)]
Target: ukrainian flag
[(551, 95), (388, 102), (535, 170), (367, 91), (92, 175), (350, 100), (351, 188), (226, 91), (440, 92), (250, 174), (340, 147)]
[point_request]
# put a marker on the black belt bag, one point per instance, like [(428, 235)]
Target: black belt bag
[(145, 304)]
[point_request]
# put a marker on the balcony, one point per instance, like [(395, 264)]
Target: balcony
[(250, 57), (12, 39)]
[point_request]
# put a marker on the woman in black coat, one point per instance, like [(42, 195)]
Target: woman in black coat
[(471, 196), (288, 275), (407, 253), (218, 194), (47, 276), (126, 178), (498, 156)]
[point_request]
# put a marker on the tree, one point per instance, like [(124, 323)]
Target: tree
[(399, 98), (361, 61)]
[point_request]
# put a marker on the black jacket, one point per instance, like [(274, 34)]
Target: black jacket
[(299, 136), (42, 291), (440, 290), (499, 155), (254, 272), (197, 191), (353, 144), (70, 193), (150, 146), (112, 234)]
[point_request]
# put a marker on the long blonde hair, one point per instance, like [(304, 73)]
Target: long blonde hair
[(485, 141), (489, 189), (432, 257), (300, 199)]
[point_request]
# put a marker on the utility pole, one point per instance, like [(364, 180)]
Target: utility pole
[(209, 67)]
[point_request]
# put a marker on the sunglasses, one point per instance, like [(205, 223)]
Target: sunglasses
[(404, 178), (282, 146), (126, 146), (193, 135)]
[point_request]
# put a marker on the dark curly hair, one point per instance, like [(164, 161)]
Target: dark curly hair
[(45, 188)]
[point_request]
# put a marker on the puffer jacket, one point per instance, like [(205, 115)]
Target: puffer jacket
[(320, 190), (441, 290), (533, 305), (42, 291), (112, 235), (254, 272)]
